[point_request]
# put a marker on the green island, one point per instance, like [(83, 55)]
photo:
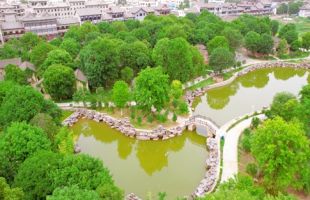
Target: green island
[(109, 111)]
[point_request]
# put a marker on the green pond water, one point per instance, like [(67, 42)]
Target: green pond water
[(250, 92), (176, 166)]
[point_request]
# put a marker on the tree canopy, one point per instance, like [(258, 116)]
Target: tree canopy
[(18, 142), (281, 149), (59, 81), (151, 89)]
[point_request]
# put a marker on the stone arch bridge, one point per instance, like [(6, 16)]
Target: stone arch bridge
[(204, 126)]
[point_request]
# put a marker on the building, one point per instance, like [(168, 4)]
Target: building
[(141, 12), (304, 11), (93, 15), (81, 80), (22, 65), (59, 10)]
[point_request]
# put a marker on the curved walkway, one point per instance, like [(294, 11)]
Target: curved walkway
[(230, 151)]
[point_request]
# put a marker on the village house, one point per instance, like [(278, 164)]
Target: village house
[(304, 11), (25, 66), (81, 80)]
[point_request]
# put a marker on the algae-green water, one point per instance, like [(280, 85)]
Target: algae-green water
[(250, 92), (174, 166)]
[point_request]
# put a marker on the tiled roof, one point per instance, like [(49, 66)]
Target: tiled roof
[(79, 75)]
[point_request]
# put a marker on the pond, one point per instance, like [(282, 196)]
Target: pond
[(250, 92), (174, 166)]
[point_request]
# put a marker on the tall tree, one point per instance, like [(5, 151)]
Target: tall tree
[(71, 46), (15, 74), (281, 149), (57, 56), (135, 55), (101, 62), (7, 193), (221, 58), (39, 53), (18, 142), (59, 82), (306, 40), (151, 89), (26, 103), (217, 42), (120, 94), (73, 193)]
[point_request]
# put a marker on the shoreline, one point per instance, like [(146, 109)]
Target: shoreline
[(212, 175)]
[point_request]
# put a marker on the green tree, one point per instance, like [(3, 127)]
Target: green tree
[(221, 58), (46, 123), (42, 173), (281, 149), (127, 74), (240, 187), (15, 74), (100, 61), (135, 55), (110, 192), (282, 47), (73, 193), (265, 44), (252, 41), (81, 95), (176, 89), (34, 175), (57, 56), (7, 193), (18, 142), (59, 81), (26, 103), (39, 53), (29, 40), (233, 36), (305, 93), (217, 42), (71, 46), (120, 94), (151, 89), (56, 41), (274, 27), (178, 59), (283, 105), (5, 87), (296, 45), (306, 40), (64, 141), (289, 33)]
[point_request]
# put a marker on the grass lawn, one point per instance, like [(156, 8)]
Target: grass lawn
[(201, 84), (144, 124), (65, 114)]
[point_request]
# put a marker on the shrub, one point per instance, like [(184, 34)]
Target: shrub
[(255, 122), (139, 120), (183, 108), (175, 103), (133, 114), (251, 169), (161, 118), (175, 117), (150, 118), (246, 143)]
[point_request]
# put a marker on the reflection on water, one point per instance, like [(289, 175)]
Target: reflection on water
[(250, 92), (174, 166)]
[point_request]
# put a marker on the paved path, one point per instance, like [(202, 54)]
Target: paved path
[(230, 151)]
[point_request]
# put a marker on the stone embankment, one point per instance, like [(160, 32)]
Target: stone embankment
[(209, 181), (160, 133), (191, 95), (211, 177), (124, 126)]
